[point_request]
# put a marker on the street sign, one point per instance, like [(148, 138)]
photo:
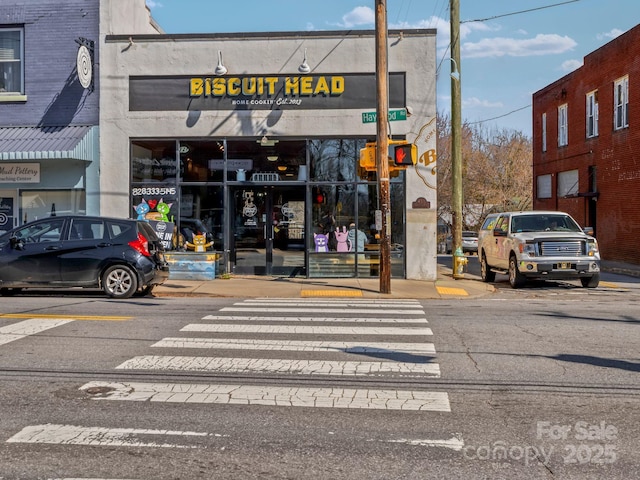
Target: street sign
[(394, 115)]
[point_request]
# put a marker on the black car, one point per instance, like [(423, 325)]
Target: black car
[(123, 257)]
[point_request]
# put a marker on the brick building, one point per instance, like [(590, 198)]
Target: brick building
[(586, 154), (49, 109)]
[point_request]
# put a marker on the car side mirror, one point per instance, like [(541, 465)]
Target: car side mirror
[(498, 232), (16, 243), (588, 230)]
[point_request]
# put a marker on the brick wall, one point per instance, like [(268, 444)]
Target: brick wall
[(614, 155), (54, 95)]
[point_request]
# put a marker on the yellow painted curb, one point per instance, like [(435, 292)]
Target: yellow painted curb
[(65, 317), (330, 293), (452, 291)]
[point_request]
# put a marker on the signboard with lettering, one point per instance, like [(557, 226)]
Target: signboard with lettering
[(262, 92), (19, 173)]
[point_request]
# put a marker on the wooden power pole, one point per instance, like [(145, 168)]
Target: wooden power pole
[(382, 144)]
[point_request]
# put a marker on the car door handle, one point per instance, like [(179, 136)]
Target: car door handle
[(105, 244), (53, 247)]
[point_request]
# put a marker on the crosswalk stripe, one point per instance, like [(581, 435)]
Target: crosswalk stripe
[(315, 319), (324, 310), (96, 436), (302, 329), (299, 346), (16, 331), (279, 366), (343, 304), (352, 398)]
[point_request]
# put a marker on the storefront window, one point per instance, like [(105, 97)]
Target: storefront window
[(264, 185), (334, 160), (153, 161), (202, 161), (35, 204), (266, 160), (201, 214)]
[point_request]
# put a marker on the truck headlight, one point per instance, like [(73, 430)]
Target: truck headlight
[(592, 248), (528, 249)]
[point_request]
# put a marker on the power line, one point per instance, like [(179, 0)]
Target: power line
[(519, 12), (499, 116)]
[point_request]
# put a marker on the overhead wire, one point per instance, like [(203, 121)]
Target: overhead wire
[(501, 16)]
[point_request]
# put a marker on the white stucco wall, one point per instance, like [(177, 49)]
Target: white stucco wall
[(266, 54)]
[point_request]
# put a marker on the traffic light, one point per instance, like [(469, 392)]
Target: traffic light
[(404, 154)]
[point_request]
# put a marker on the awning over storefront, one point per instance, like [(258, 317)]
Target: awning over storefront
[(78, 142)]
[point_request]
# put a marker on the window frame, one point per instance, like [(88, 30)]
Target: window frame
[(568, 183), (621, 103), (544, 186), (19, 61), (563, 125), (544, 132), (592, 114)]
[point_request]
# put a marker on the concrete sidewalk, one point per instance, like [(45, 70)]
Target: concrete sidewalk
[(282, 287), (444, 287)]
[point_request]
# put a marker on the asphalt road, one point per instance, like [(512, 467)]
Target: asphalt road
[(514, 385)]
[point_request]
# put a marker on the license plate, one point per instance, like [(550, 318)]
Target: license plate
[(564, 266)]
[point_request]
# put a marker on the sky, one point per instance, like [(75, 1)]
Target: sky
[(509, 48)]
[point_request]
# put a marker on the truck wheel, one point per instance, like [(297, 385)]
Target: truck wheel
[(591, 282), (485, 271), (516, 279)]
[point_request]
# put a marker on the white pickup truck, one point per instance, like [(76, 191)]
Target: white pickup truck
[(537, 245)]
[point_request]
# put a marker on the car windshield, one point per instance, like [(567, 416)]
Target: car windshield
[(469, 234), (544, 223)]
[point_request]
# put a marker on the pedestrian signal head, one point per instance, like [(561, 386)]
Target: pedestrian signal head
[(404, 154)]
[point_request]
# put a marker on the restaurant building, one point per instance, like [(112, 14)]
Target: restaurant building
[(249, 144)]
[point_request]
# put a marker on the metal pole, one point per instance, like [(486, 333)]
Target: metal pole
[(456, 150), (382, 144)]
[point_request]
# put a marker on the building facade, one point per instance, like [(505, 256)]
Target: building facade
[(249, 145), (49, 109), (586, 134)]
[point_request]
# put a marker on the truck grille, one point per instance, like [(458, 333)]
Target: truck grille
[(561, 249)]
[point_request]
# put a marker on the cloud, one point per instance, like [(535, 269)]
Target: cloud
[(541, 44), (616, 32), (358, 16), (475, 102), (153, 4), (570, 65)]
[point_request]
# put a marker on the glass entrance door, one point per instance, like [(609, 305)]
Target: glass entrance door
[(267, 227)]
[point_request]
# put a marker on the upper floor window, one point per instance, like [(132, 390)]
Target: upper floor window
[(592, 114), (563, 136), (11, 61), (544, 132), (621, 103)]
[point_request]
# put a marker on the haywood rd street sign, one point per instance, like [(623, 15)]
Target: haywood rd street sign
[(394, 115)]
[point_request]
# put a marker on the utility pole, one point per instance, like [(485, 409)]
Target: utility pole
[(459, 259), (382, 144)]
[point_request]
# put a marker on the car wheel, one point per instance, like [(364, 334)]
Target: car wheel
[(144, 291), (485, 271), (591, 282), (516, 279), (119, 281)]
